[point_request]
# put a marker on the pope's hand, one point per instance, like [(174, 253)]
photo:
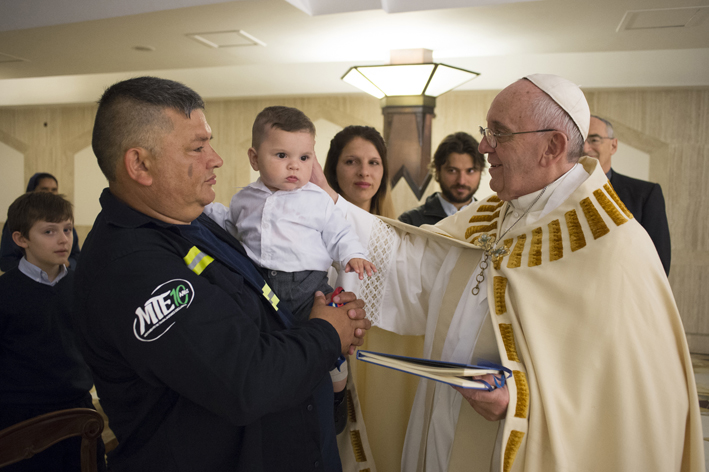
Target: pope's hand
[(490, 405)]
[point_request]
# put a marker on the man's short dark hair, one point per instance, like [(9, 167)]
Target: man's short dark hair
[(460, 143), (32, 207), (131, 114), (283, 118)]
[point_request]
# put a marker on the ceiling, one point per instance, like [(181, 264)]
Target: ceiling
[(68, 51)]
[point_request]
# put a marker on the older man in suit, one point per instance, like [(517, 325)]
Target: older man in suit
[(643, 199)]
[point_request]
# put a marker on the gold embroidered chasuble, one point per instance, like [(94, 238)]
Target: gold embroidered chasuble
[(581, 311)]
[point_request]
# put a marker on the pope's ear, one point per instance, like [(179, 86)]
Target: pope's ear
[(253, 158), (556, 149), (138, 163)]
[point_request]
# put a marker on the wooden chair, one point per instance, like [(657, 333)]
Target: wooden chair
[(24, 440)]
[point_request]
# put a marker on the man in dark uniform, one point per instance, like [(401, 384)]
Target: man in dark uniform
[(456, 166), (643, 199), (197, 365)]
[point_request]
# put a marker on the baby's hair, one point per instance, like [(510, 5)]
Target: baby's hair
[(283, 118), (32, 207)]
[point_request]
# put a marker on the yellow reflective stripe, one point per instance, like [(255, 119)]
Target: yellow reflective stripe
[(270, 296), (194, 252), (197, 260)]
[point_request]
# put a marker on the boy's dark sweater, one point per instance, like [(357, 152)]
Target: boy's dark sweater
[(39, 359)]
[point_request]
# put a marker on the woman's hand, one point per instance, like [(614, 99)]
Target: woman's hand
[(318, 178)]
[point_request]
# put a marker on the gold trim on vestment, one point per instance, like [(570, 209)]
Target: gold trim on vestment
[(522, 394), (513, 444), (351, 413), (611, 191), (508, 340), (494, 199), (578, 240), (357, 448), (609, 208), (598, 226), (507, 244), (556, 244), (515, 259), (482, 218), (480, 229), (499, 290), (535, 251), (487, 208)]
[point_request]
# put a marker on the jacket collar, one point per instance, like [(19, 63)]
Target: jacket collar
[(117, 213)]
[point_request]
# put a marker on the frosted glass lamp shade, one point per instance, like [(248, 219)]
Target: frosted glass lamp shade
[(407, 79)]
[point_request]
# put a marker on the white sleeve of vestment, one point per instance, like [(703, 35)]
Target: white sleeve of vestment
[(397, 296), (339, 237)]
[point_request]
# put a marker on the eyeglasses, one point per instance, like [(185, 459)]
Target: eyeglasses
[(492, 137), (594, 140)]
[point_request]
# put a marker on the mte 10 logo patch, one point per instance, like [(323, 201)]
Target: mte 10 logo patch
[(156, 317)]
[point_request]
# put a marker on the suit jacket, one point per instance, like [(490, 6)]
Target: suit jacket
[(429, 213), (645, 201)]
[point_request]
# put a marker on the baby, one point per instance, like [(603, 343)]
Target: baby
[(289, 226)]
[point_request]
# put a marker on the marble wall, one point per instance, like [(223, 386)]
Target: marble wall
[(671, 126)]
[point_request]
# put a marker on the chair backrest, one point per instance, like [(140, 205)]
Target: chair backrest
[(24, 440)]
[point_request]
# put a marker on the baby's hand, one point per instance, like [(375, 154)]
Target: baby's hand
[(360, 266)]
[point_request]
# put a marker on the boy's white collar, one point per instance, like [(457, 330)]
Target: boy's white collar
[(38, 275)]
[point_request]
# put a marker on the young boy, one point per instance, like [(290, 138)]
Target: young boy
[(10, 253), (41, 369)]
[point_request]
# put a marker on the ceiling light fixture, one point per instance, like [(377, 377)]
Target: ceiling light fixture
[(407, 89), (226, 39)]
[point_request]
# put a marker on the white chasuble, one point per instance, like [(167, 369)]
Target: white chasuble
[(579, 308)]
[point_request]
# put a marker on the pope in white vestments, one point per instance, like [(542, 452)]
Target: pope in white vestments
[(558, 283)]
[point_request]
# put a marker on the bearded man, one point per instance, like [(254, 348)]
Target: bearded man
[(457, 167)]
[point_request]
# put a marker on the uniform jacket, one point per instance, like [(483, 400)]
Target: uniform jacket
[(646, 203), (193, 366)]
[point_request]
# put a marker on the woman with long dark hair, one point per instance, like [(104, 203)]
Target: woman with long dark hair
[(357, 169)]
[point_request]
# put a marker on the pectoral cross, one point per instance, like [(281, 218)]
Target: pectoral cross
[(486, 242)]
